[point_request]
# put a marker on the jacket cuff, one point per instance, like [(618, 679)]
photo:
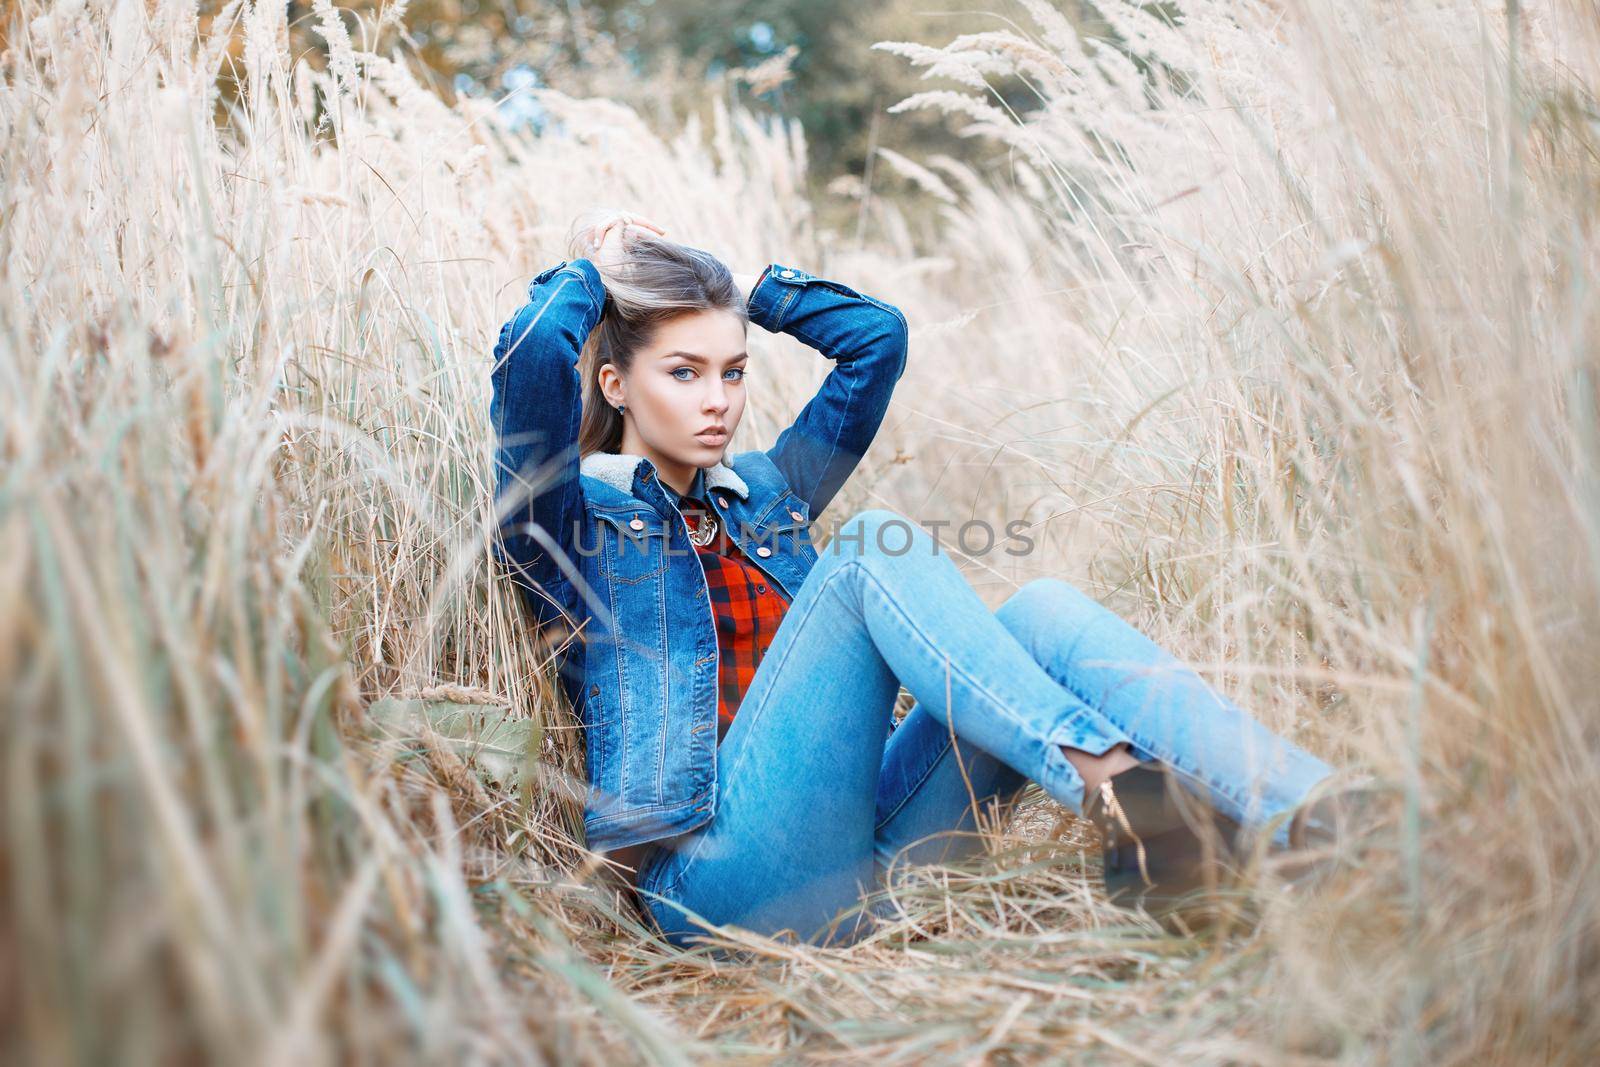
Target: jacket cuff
[(584, 271), (774, 295)]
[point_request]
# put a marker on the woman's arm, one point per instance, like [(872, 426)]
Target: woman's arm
[(535, 409), (867, 339)]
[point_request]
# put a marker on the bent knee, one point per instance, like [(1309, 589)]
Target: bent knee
[(1053, 601)]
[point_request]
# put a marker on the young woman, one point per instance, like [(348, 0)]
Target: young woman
[(737, 688)]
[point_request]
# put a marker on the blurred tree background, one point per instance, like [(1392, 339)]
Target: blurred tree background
[(811, 61)]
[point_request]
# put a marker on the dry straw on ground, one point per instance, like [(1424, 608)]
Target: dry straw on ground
[(1281, 330)]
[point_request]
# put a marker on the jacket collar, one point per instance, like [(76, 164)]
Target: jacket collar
[(617, 469)]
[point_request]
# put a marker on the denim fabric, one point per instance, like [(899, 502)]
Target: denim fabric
[(600, 551), (816, 799)]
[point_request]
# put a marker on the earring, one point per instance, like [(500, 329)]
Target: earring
[(622, 407)]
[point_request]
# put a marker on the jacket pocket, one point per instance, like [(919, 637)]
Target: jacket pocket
[(785, 527), (635, 545)]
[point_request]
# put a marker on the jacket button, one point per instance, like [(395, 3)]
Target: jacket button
[(722, 500), (637, 524), (594, 690), (796, 516), (763, 551), (786, 273)]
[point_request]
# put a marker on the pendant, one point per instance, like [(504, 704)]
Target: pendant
[(705, 529)]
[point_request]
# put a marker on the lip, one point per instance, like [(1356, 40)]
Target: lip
[(712, 437)]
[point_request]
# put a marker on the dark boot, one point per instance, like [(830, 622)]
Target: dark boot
[(1165, 846)]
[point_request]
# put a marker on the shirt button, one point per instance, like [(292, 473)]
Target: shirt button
[(786, 273), (637, 524), (761, 589), (763, 551)]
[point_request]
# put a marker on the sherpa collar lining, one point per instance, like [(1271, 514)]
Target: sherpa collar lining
[(616, 469)]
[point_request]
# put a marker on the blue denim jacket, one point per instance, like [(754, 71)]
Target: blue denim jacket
[(598, 547)]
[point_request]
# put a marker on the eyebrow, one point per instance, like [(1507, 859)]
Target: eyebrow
[(694, 357)]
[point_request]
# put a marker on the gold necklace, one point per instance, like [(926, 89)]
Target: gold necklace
[(705, 528)]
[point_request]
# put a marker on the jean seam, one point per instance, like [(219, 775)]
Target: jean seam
[(923, 777), (1163, 751), (778, 315), (647, 809), (1138, 736)]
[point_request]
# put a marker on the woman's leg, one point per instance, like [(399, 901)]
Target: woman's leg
[(933, 784), (1144, 692), (1169, 712), (931, 789), (792, 834)]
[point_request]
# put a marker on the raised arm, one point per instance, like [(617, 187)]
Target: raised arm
[(867, 340), (535, 408)]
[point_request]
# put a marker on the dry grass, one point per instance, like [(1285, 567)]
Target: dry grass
[(1283, 333)]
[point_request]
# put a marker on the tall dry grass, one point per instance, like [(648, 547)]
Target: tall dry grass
[(1280, 330), (1327, 273)]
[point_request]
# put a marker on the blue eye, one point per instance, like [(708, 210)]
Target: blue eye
[(731, 370)]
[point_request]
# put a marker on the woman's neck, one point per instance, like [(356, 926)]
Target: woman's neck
[(679, 477)]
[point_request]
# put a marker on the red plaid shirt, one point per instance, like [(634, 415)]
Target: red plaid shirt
[(747, 607)]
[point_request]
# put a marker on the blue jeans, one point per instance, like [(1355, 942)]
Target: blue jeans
[(817, 798)]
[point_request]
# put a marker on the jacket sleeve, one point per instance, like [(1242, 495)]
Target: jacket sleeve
[(535, 408), (867, 340)]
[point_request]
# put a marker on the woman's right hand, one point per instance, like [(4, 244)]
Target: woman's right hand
[(604, 238)]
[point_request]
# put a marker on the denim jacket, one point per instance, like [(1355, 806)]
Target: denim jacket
[(599, 548)]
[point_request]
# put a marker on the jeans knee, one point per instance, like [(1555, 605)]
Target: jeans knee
[(1050, 602)]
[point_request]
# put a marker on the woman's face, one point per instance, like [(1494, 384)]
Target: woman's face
[(688, 380)]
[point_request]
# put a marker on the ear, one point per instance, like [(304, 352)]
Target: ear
[(611, 384)]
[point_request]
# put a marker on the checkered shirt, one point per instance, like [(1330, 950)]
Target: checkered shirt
[(747, 608)]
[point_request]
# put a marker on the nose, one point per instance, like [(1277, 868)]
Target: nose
[(717, 397)]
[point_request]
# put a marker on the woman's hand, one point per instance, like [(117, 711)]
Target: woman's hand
[(609, 236), (604, 237)]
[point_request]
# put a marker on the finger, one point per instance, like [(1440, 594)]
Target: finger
[(638, 234)]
